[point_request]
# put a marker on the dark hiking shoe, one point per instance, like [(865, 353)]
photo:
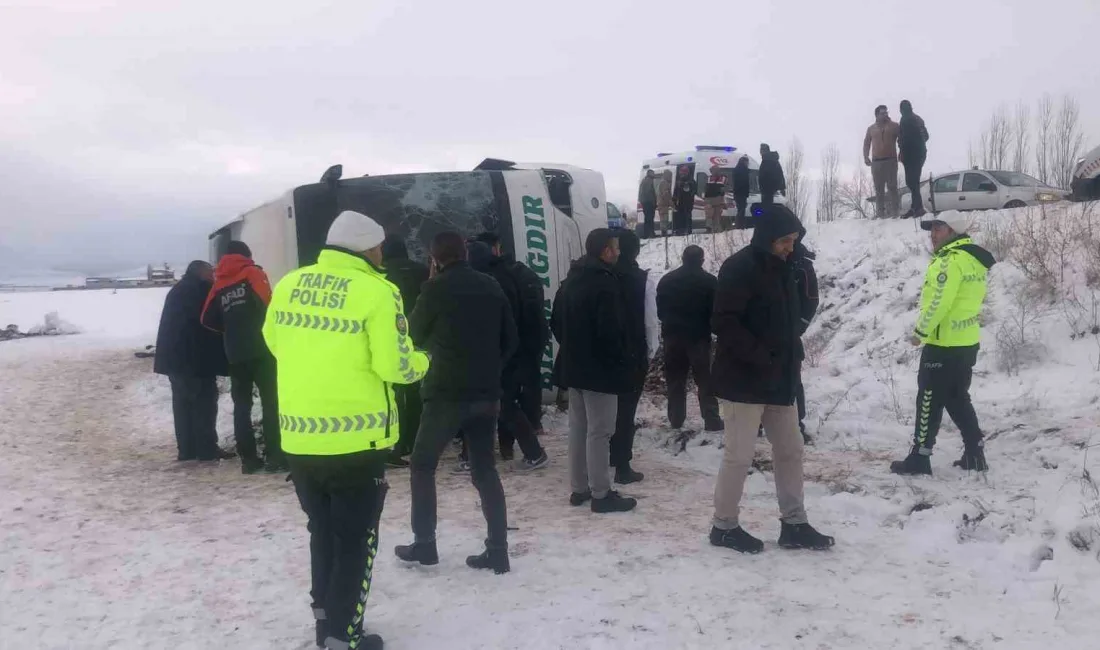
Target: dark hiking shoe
[(507, 453), (972, 462), (580, 498), (528, 465), (613, 502), (625, 475), (915, 464), (495, 559), (394, 460), (423, 552), (366, 642), (251, 466), (714, 425), (803, 536), (760, 432), (737, 539)]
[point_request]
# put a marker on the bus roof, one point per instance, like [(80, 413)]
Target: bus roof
[(705, 158)]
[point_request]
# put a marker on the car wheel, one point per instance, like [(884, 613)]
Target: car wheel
[(1015, 203)]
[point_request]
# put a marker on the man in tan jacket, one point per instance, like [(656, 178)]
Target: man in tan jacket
[(880, 153), (664, 199)]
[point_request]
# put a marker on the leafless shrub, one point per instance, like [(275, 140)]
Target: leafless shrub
[(998, 238), (852, 195), (1016, 342), (828, 199), (885, 370), (816, 343), (798, 186), (1037, 252), (995, 142), (1068, 141)]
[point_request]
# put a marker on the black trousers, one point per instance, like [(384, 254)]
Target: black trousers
[(343, 498), (439, 423), (943, 382), (681, 356), (261, 374), (530, 391), (514, 425), (767, 198), (195, 412), (913, 170), (681, 221), (742, 203), (800, 400), (622, 441), (649, 210), (409, 407)]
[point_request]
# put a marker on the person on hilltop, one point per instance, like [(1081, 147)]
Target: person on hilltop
[(236, 307), (949, 328), (880, 153), (742, 187), (772, 180), (192, 357), (589, 321), (912, 152), (685, 297), (755, 375), (639, 293), (409, 275), (647, 198), (684, 199), (339, 333), (664, 200), (464, 321)]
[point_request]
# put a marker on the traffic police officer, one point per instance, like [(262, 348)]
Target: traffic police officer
[(338, 332), (949, 328)]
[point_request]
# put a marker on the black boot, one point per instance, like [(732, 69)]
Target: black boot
[(613, 502), (366, 642), (625, 474), (714, 425), (737, 539), (580, 498), (395, 460), (507, 453), (915, 464), (423, 552), (799, 536), (973, 461), (493, 558)]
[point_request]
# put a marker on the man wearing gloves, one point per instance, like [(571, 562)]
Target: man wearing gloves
[(338, 331), (949, 327)]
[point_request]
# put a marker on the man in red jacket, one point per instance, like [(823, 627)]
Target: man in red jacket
[(236, 306)]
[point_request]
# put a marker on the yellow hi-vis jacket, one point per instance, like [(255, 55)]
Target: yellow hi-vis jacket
[(338, 332), (953, 293)]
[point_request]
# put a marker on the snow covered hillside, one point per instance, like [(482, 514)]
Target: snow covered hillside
[(133, 550)]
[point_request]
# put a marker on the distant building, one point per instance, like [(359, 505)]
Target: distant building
[(158, 277)]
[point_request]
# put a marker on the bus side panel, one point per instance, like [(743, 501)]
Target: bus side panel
[(266, 232), (535, 238)]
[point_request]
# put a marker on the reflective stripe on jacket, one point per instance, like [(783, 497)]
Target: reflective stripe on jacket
[(953, 293), (338, 331)]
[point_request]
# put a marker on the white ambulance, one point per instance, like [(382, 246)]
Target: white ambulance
[(698, 164), (542, 212)]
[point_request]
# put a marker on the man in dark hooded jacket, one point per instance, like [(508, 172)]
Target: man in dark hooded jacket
[(409, 276), (193, 358), (684, 199), (236, 307), (772, 181), (685, 297), (755, 374), (639, 301), (594, 364), (912, 152), (742, 186), (516, 427)]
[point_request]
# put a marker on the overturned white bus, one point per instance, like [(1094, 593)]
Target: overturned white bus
[(542, 212)]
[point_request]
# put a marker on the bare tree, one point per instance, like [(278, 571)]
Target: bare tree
[(1067, 143), (1044, 132), (852, 195), (995, 142), (798, 190), (827, 199), (1021, 152)]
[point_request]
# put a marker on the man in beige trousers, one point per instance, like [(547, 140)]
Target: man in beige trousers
[(755, 376), (880, 153)]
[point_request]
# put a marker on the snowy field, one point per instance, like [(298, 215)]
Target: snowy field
[(109, 543)]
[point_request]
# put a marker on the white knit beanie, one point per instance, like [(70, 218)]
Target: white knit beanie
[(355, 232)]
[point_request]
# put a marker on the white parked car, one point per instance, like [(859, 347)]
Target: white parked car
[(979, 189)]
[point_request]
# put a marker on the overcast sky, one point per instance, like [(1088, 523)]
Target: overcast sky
[(130, 129)]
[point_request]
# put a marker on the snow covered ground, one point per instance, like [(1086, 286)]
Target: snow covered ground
[(107, 542)]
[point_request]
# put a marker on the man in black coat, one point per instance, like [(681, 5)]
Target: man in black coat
[(683, 197), (465, 323), (742, 186), (192, 357), (912, 152), (594, 364), (513, 425), (409, 276), (685, 297), (772, 180), (639, 298), (755, 374)]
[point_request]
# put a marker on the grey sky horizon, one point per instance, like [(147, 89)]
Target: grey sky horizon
[(129, 130)]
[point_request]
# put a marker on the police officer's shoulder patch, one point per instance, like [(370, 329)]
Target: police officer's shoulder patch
[(941, 278), (402, 325)]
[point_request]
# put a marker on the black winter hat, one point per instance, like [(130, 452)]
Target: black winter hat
[(479, 255), (772, 222)]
